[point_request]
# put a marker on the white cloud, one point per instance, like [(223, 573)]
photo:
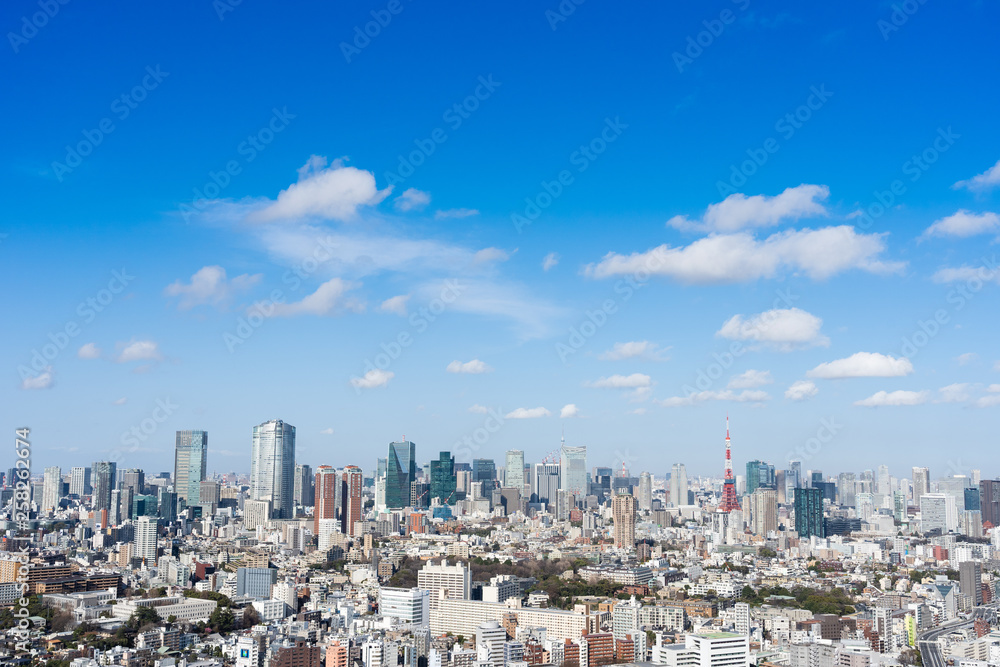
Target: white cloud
[(972, 274), (372, 379), (863, 364), (120, 401), (491, 255), (734, 258), (550, 261), (412, 200), (139, 350), (479, 409), (209, 286), (527, 413), (395, 304), (444, 214), (333, 193), (738, 211), (966, 358), (964, 224), (981, 182), (954, 393), (569, 410), (89, 351), (745, 396), (633, 381), (883, 398), (782, 328), (41, 381), (750, 379), (326, 431), (801, 390), (637, 411), (328, 299), (988, 401), (639, 349), (474, 367)]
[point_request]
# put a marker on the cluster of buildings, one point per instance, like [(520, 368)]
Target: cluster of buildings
[(507, 563)]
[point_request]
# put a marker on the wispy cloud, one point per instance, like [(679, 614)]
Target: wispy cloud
[(863, 364), (894, 398), (474, 367), (987, 180), (372, 379), (528, 413), (209, 286)]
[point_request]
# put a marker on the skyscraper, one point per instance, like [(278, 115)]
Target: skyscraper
[(485, 470), (764, 510), (678, 485), (103, 475), (921, 484), (623, 508), (645, 498), (809, 513), (970, 579), (573, 470), (400, 472), (272, 466), (846, 487), (989, 501), (351, 511), (514, 466), (759, 473), (303, 494), (190, 464), (443, 479), (79, 481), (51, 490), (545, 484), (133, 478), (327, 480)]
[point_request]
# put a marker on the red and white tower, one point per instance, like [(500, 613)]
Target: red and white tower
[(729, 500)]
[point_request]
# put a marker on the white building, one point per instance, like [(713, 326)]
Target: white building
[(714, 649), (184, 609), (408, 605), (145, 540)]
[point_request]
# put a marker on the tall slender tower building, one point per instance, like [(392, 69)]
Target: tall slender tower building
[(272, 467), (52, 488), (190, 464), (729, 500), (645, 491), (350, 513), (514, 470), (400, 472), (921, 483), (573, 470), (327, 480), (623, 508), (678, 485), (103, 474)]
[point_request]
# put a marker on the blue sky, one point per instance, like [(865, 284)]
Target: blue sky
[(718, 170)]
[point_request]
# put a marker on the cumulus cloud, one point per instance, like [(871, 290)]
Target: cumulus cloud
[(750, 379), (550, 261), (479, 409), (139, 350), (964, 224), (41, 381), (569, 410), (334, 193), (89, 351), (900, 397), (455, 213), (330, 298), (527, 413), (801, 390), (958, 392), (372, 379), (209, 286), (474, 367), (633, 381), (412, 200), (782, 328), (395, 304), (745, 396), (981, 182), (736, 258), (738, 211), (863, 364), (639, 349)]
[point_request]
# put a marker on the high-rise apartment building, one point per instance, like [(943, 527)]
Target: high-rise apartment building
[(350, 513), (103, 476), (79, 481), (327, 480), (455, 580), (678, 485), (764, 510), (272, 467), (51, 489), (400, 472), (145, 540), (970, 580), (623, 509), (190, 464)]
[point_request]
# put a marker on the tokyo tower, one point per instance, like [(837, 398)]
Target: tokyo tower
[(729, 500)]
